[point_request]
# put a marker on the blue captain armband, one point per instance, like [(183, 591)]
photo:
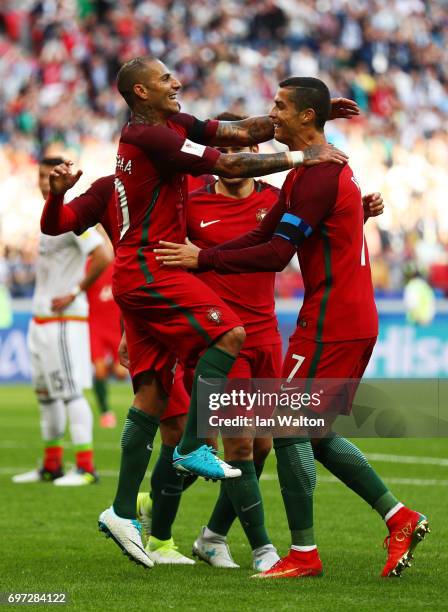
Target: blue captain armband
[(293, 228)]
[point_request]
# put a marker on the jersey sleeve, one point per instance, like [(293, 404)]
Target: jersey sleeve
[(88, 241), (198, 131), (312, 198), (168, 149), (256, 251), (90, 206), (56, 218)]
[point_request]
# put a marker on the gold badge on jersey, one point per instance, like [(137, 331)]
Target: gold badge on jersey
[(261, 214), (214, 315)]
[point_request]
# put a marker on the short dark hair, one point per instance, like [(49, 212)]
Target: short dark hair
[(308, 92), (228, 116), (129, 75), (51, 161)]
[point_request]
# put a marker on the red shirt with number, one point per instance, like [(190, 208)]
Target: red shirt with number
[(151, 190), (320, 216)]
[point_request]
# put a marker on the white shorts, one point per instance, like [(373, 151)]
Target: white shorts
[(60, 358)]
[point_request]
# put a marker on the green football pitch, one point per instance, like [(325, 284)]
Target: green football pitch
[(50, 542)]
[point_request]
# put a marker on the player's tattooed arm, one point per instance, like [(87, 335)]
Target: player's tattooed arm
[(246, 132), (241, 165), (373, 205), (254, 130)]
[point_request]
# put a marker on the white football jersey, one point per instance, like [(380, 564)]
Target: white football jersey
[(60, 267)]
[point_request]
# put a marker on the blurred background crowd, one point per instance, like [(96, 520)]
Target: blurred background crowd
[(59, 58)]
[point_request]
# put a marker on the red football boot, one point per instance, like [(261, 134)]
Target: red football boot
[(406, 529), (296, 564)]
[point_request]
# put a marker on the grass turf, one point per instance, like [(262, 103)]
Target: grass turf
[(50, 542)]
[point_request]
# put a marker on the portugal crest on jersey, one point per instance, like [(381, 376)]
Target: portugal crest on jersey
[(215, 316), (261, 214)]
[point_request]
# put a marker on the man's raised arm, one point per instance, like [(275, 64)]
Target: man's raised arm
[(57, 218)]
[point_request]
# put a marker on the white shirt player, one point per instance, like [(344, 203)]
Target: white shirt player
[(60, 267)]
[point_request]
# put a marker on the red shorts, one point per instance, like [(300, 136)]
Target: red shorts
[(104, 340), (179, 400), (258, 362), (306, 358), (175, 317)]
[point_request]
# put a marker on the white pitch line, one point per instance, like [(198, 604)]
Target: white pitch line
[(407, 459), (381, 457), (419, 482)]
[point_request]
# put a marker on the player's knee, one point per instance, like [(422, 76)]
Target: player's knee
[(238, 450), (262, 448), (43, 396), (100, 370), (233, 340), (150, 396), (120, 371), (171, 430)]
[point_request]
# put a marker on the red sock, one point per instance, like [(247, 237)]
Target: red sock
[(84, 460), (53, 458)]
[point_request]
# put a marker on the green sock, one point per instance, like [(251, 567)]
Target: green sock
[(100, 390), (244, 493), (214, 363), (297, 477), (343, 459), (166, 491), (136, 446), (189, 479), (224, 514)]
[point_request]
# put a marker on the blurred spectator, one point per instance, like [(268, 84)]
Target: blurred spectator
[(58, 61)]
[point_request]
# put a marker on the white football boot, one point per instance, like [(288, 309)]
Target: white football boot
[(41, 475), (214, 550), (264, 557), (126, 534), (164, 552), (76, 478)]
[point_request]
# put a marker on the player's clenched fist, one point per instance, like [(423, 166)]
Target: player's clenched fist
[(183, 255), (62, 178)]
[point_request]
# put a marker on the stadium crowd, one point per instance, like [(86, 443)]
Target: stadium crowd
[(59, 58)]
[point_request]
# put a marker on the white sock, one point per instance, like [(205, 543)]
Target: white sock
[(208, 534), (81, 420), (303, 548), (53, 419), (393, 511)]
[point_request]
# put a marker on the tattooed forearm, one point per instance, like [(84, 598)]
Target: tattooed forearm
[(241, 165), (244, 133)]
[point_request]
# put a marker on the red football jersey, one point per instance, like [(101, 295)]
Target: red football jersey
[(319, 214), (339, 302), (151, 190), (197, 182), (102, 306), (212, 219)]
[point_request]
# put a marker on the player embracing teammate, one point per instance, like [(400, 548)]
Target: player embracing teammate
[(168, 314), (320, 217)]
